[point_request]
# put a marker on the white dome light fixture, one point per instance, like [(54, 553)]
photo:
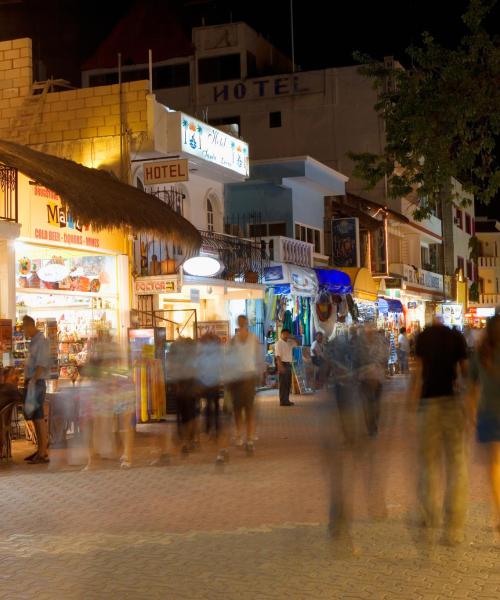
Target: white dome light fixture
[(202, 266)]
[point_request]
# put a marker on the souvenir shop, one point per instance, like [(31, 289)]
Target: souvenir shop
[(72, 280), (364, 294)]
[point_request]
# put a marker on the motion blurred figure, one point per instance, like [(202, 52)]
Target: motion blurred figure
[(485, 397), (403, 351), (371, 359), (440, 353), (283, 352), (209, 372), (242, 368), (182, 369)]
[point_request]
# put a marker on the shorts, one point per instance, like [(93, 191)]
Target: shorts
[(488, 427), (243, 393), (40, 392)]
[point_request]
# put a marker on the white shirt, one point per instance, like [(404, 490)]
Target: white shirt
[(317, 349), (283, 350), (403, 343)]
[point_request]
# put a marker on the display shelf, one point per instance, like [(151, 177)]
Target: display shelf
[(40, 291)]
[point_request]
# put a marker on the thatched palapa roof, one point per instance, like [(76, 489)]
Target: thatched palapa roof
[(96, 198)]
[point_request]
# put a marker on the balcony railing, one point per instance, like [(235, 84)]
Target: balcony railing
[(288, 250), (243, 259), (488, 261), (8, 194), (491, 299), (420, 277)]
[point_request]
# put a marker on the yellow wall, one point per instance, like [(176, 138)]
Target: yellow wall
[(83, 124), (37, 209)]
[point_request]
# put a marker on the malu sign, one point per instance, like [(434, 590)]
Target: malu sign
[(166, 171)]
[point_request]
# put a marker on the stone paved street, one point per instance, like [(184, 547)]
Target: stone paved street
[(256, 531)]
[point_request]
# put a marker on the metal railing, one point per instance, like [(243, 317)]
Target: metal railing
[(491, 299), (421, 277), (8, 194), (288, 250), (488, 261)]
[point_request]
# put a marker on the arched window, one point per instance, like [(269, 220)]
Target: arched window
[(210, 216), (213, 212)]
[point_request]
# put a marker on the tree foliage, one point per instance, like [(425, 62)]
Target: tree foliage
[(442, 117)]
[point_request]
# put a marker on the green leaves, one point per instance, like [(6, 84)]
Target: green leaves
[(442, 117)]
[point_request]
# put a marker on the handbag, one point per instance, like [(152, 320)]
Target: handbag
[(30, 402)]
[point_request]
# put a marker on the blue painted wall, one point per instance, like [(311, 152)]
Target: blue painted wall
[(273, 202)]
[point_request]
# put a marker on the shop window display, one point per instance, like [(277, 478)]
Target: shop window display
[(71, 292)]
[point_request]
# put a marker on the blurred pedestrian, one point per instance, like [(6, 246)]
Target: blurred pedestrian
[(440, 354), (371, 358), (485, 397), (403, 351), (318, 359), (181, 366), (283, 353), (209, 372), (35, 388), (243, 367)]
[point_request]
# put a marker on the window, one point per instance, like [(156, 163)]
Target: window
[(310, 235), (213, 212), (470, 271), (210, 216), (461, 264), (219, 68), (458, 218), (468, 224), (425, 258), (275, 119), (171, 76), (276, 229), (266, 229)]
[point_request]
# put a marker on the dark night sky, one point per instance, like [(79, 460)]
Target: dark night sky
[(66, 32)]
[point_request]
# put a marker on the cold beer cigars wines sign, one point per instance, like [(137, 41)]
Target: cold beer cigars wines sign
[(59, 225)]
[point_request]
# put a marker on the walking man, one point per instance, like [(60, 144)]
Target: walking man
[(403, 351), (440, 354), (36, 372), (283, 351)]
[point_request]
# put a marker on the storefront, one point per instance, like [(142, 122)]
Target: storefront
[(364, 292), (71, 279)]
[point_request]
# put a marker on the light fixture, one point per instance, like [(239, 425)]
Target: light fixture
[(202, 266)]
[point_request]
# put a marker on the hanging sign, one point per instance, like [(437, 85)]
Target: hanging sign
[(345, 242), (156, 285), (166, 171)]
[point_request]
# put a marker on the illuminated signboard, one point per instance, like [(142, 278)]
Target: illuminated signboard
[(201, 140)]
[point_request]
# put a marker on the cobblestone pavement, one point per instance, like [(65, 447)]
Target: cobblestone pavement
[(256, 531)]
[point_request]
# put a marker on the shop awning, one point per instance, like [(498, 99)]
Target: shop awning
[(364, 287), (96, 198), (334, 281), (387, 305)]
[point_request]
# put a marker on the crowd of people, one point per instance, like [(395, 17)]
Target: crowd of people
[(453, 388)]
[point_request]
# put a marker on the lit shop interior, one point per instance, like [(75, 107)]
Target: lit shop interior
[(72, 295)]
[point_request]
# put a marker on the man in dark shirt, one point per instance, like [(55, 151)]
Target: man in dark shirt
[(441, 353)]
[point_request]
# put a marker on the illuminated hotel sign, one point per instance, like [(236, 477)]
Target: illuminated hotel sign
[(201, 140), (166, 171)]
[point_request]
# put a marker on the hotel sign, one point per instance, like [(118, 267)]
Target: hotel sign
[(166, 171)]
